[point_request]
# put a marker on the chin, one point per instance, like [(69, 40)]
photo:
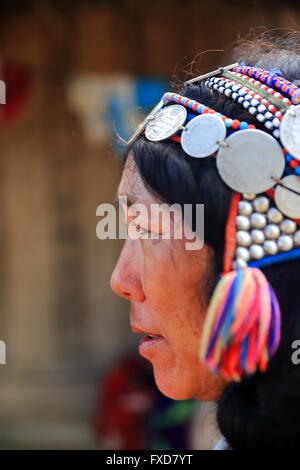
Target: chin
[(183, 384), (175, 386)]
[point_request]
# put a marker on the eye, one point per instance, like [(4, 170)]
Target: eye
[(142, 231)]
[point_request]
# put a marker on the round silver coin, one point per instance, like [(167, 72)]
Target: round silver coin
[(287, 201), (202, 135), (290, 131), (141, 127), (249, 161), (166, 123)]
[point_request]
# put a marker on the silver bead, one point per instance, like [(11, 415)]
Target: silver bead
[(239, 263), (258, 220), (242, 253), (242, 222), (274, 215), (297, 238), (272, 231), (285, 243), (245, 208), (249, 196), (257, 236), (243, 238), (261, 204), (256, 252), (270, 247), (288, 226)]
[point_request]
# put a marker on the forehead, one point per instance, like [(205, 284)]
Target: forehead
[(132, 185)]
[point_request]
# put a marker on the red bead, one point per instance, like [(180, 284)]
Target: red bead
[(251, 126), (235, 124), (205, 110), (294, 163)]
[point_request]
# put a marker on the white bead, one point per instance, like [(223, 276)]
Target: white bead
[(228, 92), (261, 108), (258, 220), (256, 252), (254, 102), (257, 236), (276, 133), (272, 231), (239, 263), (261, 204), (276, 122), (268, 125), (260, 117), (242, 222), (242, 253), (249, 196), (297, 238), (235, 87), (274, 215), (252, 110), (246, 104), (234, 96), (288, 226), (285, 243), (245, 208), (243, 238), (270, 247)]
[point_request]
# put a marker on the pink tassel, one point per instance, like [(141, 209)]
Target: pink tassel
[(241, 331)]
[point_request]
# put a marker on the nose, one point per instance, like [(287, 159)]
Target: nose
[(125, 279)]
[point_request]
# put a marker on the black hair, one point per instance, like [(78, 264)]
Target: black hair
[(263, 410)]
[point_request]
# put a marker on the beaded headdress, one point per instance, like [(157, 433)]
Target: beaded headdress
[(262, 167)]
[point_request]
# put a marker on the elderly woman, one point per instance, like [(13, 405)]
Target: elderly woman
[(220, 322)]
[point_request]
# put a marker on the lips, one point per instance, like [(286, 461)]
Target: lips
[(149, 342), (151, 334)]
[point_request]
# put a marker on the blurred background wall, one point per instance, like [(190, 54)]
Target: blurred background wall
[(71, 69)]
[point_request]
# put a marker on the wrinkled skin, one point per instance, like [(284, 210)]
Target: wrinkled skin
[(164, 283)]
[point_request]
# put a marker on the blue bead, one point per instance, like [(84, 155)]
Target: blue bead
[(218, 114), (288, 158), (200, 108), (243, 125), (297, 170)]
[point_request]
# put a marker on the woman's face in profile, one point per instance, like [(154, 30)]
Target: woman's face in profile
[(165, 284)]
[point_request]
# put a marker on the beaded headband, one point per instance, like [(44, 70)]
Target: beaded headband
[(242, 326)]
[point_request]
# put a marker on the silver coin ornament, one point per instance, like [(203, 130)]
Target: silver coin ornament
[(167, 122), (290, 131), (141, 127), (202, 135), (287, 201), (250, 161)]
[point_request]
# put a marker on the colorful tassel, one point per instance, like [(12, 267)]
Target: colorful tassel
[(241, 331)]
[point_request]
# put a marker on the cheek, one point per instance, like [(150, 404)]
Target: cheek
[(171, 285)]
